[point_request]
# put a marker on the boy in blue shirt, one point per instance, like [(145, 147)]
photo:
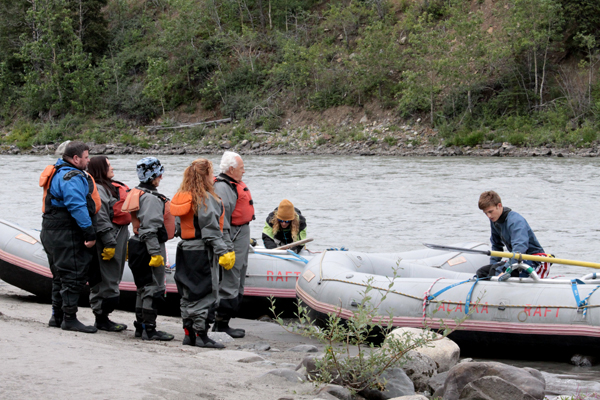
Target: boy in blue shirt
[(509, 229)]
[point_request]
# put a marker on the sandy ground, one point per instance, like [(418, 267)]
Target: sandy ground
[(42, 362)]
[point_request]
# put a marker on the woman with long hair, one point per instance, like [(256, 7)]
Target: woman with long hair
[(201, 252), (284, 225), (111, 245)]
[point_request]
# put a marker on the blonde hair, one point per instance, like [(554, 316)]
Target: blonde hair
[(295, 226), (198, 181)]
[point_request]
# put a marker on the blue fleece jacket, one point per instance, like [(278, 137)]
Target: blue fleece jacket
[(71, 193), (513, 231)]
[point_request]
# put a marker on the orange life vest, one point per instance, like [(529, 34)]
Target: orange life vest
[(181, 206), (132, 206), (119, 216), (93, 197), (243, 212)]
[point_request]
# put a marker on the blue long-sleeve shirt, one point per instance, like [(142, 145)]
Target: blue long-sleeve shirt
[(71, 193), (513, 231)]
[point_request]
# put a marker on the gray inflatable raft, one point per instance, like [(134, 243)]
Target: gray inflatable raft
[(538, 317)]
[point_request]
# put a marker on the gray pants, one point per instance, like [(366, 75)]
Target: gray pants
[(104, 296), (231, 288)]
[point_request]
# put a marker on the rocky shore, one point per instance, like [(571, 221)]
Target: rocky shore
[(344, 149), (374, 139)]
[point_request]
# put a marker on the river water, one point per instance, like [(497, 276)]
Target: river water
[(385, 204)]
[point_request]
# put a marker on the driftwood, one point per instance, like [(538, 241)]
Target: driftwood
[(215, 122)]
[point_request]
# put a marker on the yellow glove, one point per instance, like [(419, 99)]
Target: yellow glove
[(157, 261), (108, 253), (227, 260), (252, 242)]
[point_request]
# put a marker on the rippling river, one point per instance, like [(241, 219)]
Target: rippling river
[(384, 204)]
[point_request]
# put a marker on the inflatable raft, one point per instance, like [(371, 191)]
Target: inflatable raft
[(23, 263), (546, 318)]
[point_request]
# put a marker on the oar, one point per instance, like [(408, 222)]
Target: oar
[(518, 256), (299, 242)]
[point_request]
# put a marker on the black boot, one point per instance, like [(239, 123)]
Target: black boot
[(105, 324), (150, 333), (71, 323), (57, 317), (222, 325), (190, 333), (202, 340), (139, 318)]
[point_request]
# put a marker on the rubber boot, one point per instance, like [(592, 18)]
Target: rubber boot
[(202, 340), (222, 325), (190, 333), (71, 323), (105, 324), (150, 333), (138, 322), (57, 317)]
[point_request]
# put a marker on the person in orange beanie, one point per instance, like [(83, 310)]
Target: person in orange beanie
[(284, 225)]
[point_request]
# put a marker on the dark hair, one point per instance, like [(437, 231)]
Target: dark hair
[(98, 169), (75, 149)]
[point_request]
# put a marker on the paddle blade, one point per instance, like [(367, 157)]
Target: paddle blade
[(452, 248)]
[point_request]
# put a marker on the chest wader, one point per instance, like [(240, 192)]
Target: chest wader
[(68, 257)]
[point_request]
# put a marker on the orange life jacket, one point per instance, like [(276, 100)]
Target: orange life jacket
[(132, 206), (119, 216), (243, 212), (93, 197), (181, 206)]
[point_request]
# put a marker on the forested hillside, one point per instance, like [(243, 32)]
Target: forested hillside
[(518, 71)]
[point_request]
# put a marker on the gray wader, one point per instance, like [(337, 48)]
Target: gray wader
[(231, 289), (104, 296)]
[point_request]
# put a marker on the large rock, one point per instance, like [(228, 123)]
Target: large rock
[(473, 381), (420, 369), (337, 391), (397, 384), (444, 352)]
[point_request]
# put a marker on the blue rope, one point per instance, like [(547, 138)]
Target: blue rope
[(433, 296), (297, 258), (580, 303), (468, 301)]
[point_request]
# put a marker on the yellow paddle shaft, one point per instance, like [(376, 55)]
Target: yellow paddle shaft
[(551, 260)]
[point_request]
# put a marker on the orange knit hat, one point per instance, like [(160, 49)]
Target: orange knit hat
[(286, 212)]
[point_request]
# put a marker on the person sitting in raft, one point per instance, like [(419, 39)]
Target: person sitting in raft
[(284, 225), (511, 230)]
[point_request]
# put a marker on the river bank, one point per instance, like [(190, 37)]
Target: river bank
[(361, 148), (346, 137)]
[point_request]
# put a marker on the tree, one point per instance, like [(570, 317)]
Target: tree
[(534, 28)]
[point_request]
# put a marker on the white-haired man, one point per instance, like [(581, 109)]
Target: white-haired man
[(239, 211)]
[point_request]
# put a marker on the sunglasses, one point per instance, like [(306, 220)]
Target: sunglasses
[(284, 222)]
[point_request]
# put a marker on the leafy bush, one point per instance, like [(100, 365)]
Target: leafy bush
[(350, 358)]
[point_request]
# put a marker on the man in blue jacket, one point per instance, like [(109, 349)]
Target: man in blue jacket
[(68, 233), (511, 230)]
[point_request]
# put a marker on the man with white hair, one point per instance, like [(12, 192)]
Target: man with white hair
[(239, 211)]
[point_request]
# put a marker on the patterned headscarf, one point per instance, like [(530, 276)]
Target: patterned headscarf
[(148, 169)]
